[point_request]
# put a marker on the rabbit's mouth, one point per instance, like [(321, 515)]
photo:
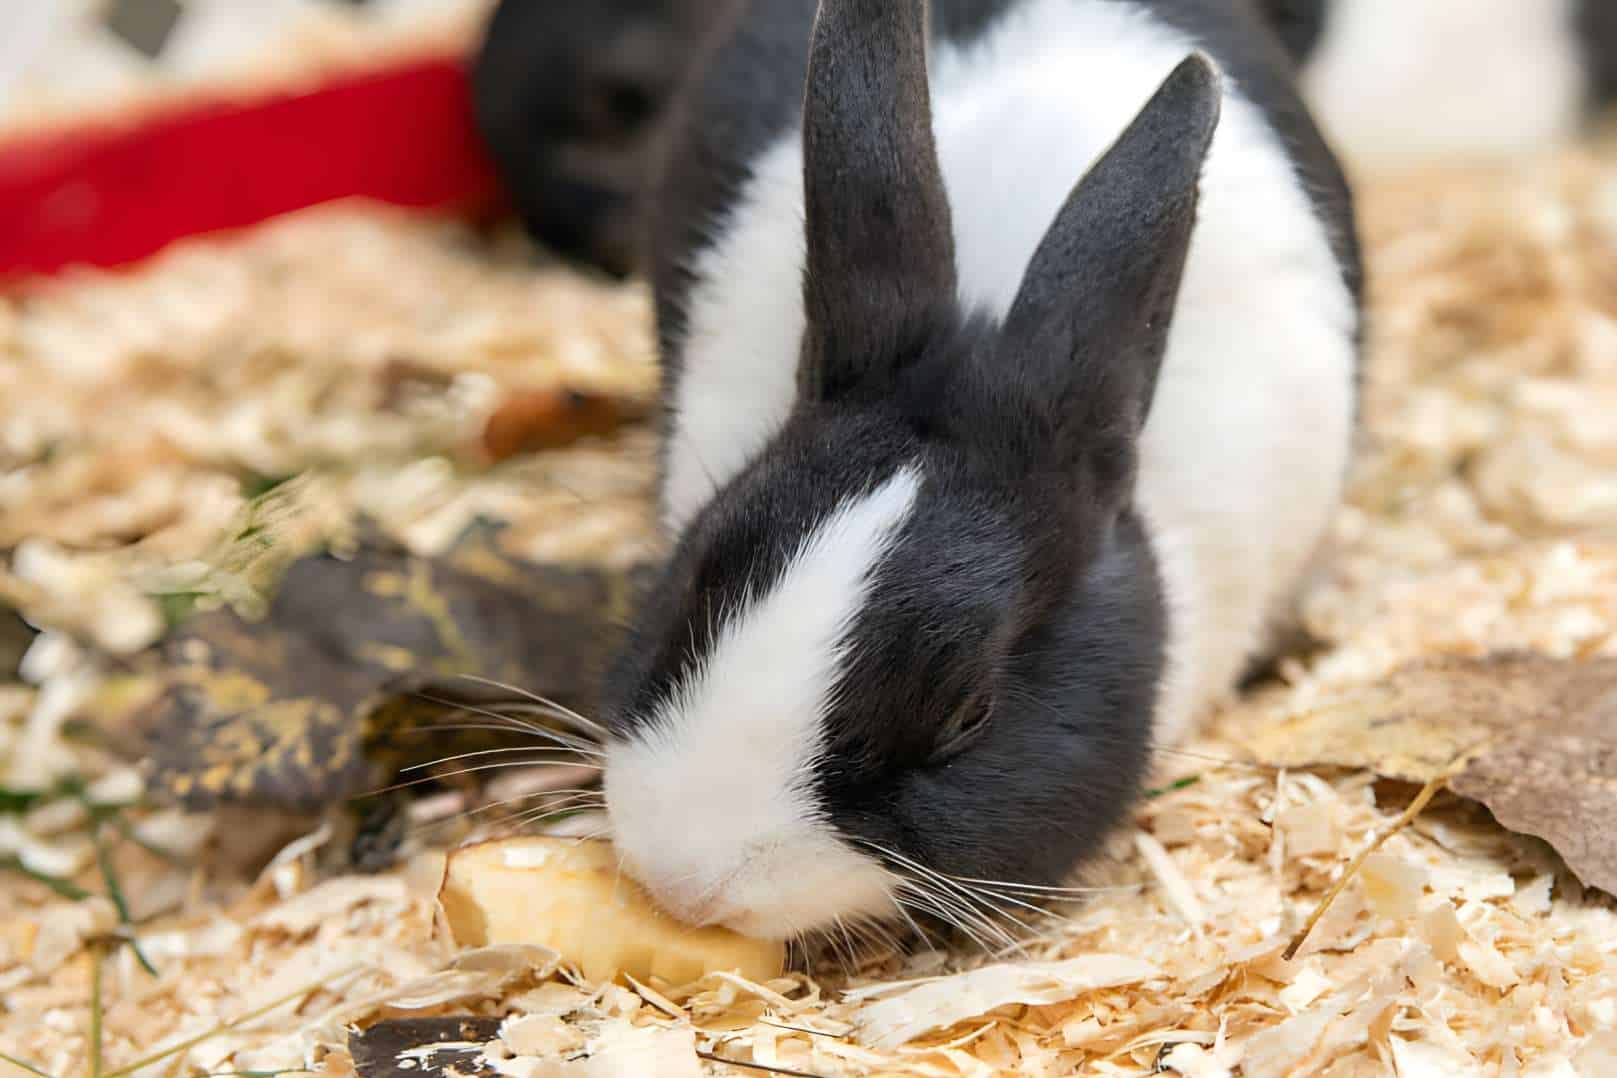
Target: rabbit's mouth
[(779, 888)]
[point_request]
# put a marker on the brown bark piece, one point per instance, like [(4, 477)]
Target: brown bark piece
[(553, 419)]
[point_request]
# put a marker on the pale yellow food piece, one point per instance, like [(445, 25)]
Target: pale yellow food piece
[(569, 896), (17, 941)]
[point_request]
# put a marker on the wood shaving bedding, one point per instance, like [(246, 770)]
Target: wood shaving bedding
[(144, 412), (1479, 520)]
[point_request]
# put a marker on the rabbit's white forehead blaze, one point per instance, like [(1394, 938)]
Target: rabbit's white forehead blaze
[(712, 802)]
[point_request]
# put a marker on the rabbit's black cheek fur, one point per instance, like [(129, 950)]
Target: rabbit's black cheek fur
[(1072, 684)]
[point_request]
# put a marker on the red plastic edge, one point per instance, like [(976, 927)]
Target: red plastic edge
[(108, 196)]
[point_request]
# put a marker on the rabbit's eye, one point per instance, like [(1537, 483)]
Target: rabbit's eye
[(967, 723), (619, 107)]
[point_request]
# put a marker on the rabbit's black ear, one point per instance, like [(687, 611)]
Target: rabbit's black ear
[(1089, 327), (880, 245)]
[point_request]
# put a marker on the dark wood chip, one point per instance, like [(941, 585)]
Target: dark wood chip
[(424, 1048)]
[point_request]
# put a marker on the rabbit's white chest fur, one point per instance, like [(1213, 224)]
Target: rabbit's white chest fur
[(1248, 441)]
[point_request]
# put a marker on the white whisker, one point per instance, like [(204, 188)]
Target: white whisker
[(544, 813), (458, 707), (1041, 889), (483, 752), (903, 911), (479, 810), (922, 902), (566, 711), (570, 740), (511, 727), (972, 903), (962, 896), (482, 767), (960, 913)]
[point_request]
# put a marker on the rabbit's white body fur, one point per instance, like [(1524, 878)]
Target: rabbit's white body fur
[(1247, 446)]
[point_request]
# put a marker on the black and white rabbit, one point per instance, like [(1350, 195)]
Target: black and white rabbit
[(1010, 384)]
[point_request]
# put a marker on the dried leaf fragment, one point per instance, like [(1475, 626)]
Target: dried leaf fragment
[(1538, 738), (306, 706)]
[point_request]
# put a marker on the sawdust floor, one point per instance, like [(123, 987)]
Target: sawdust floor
[(1481, 519)]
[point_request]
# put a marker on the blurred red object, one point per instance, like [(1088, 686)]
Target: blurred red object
[(109, 195)]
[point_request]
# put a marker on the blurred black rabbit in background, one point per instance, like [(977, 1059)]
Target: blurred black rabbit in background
[(568, 94)]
